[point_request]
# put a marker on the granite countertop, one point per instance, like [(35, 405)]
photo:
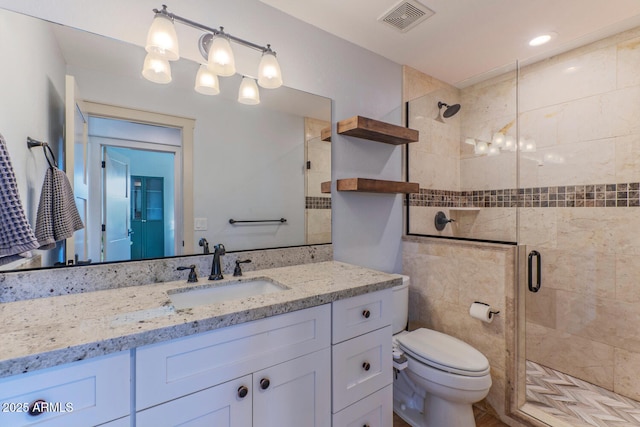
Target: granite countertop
[(44, 332)]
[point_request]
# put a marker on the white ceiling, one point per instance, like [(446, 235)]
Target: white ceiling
[(468, 40)]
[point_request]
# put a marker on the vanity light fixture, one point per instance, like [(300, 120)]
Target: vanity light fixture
[(206, 81), (248, 92), (215, 47)]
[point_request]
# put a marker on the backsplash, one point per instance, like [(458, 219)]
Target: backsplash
[(20, 285)]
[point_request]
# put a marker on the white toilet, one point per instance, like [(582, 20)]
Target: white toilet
[(443, 377)]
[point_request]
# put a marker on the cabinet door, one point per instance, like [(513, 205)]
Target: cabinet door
[(221, 406), (298, 393)]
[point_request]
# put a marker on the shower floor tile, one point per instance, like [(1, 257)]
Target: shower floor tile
[(578, 402)]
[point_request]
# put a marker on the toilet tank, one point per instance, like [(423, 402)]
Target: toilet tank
[(400, 306)]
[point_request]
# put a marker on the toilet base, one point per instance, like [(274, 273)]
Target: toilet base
[(444, 413), (420, 409)]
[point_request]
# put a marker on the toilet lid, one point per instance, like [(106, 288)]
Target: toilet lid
[(444, 352)]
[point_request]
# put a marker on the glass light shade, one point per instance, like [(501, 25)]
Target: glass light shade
[(206, 82), (470, 141), (248, 93), (221, 60), (269, 74), (162, 39), (498, 140), (493, 150), (528, 146), (156, 69), (481, 147), (509, 143)]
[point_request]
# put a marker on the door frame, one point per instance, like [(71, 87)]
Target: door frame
[(183, 183)]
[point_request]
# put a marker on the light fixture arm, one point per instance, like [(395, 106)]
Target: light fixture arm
[(213, 31)]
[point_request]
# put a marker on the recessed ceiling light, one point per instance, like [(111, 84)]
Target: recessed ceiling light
[(542, 39)]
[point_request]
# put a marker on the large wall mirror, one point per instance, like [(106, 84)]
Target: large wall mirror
[(163, 168)]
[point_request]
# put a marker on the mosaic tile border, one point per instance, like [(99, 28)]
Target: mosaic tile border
[(570, 196), (312, 202)]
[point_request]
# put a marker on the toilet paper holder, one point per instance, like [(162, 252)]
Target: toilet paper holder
[(491, 312)]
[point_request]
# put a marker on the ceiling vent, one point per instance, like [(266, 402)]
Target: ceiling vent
[(406, 15)]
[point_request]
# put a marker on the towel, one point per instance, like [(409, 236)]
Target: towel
[(16, 235), (58, 216)]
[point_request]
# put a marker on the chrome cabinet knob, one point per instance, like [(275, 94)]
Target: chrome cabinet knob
[(366, 314), (366, 366)]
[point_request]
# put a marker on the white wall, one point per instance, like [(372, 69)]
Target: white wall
[(367, 228), (32, 89)]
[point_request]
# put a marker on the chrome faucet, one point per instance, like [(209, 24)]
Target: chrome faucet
[(216, 271)]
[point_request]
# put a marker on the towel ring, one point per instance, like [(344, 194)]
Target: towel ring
[(48, 152)]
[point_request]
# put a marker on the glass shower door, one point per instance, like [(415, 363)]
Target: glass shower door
[(579, 174)]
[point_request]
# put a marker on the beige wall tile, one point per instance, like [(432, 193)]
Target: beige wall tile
[(585, 272), (580, 228), (628, 158), (628, 54), (538, 227), (627, 274), (626, 374), (570, 77), (627, 326), (541, 307), (580, 357), (586, 316)]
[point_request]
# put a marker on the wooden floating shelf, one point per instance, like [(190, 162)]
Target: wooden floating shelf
[(325, 187), (375, 130), (325, 134), (377, 186)]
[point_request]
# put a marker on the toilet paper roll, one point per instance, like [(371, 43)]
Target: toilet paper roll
[(481, 311)]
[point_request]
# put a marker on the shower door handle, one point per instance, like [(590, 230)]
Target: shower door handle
[(532, 255)]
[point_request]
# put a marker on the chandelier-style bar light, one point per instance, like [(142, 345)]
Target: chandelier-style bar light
[(214, 45)]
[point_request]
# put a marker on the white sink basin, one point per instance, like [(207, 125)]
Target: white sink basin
[(213, 293)]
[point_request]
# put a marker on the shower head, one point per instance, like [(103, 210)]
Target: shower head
[(450, 111)]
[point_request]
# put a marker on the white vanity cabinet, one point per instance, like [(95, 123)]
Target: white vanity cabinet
[(362, 362), (85, 393), (273, 372)]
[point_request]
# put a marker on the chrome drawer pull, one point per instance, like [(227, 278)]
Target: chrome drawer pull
[(366, 366), (366, 314)]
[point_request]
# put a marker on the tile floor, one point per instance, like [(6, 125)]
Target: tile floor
[(482, 420), (578, 402)]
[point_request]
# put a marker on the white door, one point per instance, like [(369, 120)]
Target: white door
[(76, 247), (225, 405), (298, 393), (116, 206)]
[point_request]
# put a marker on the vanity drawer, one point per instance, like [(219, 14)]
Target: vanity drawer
[(361, 314), (375, 410), (168, 370), (84, 393), (361, 366)]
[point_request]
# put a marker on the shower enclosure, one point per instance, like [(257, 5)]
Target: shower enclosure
[(546, 157)]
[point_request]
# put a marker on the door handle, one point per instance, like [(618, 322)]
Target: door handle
[(536, 255)]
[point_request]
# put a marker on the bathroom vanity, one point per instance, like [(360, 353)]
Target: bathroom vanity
[(315, 353)]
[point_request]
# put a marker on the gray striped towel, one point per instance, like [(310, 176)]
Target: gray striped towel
[(16, 235), (58, 216)]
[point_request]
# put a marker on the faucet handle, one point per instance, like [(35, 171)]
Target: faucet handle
[(193, 276), (238, 271), (220, 249)]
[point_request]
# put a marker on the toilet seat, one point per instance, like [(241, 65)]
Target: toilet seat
[(444, 352)]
